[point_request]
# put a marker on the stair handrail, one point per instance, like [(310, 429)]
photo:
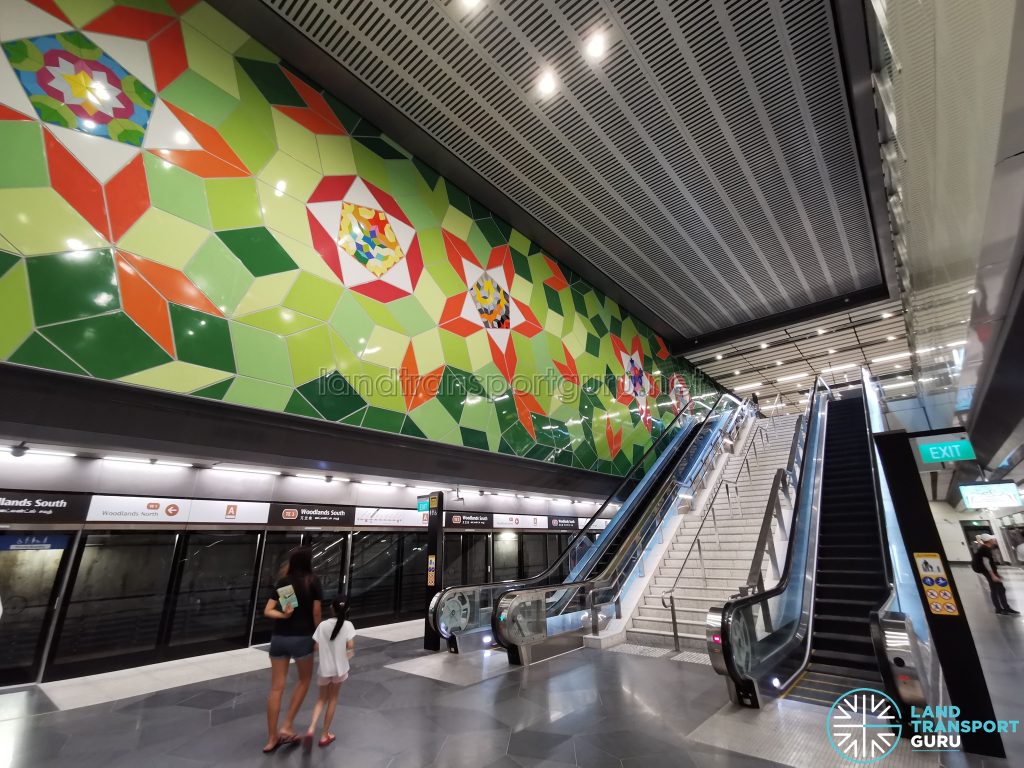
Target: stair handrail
[(668, 596)]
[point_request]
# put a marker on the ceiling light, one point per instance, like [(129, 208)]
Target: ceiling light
[(887, 358), (924, 350), (546, 83), (835, 368), (397, 485), (470, 5), (21, 449), (374, 482), (890, 338), (127, 459), (778, 362), (163, 463), (793, 377), (963, 322), (595, 46), (749, 386), (718, 357), (821, 331), (764, 345), (956, 344), (248, 470), (972, 291), (896, 367), (899, 384), (735, 373), (886, 315), (831, 351)]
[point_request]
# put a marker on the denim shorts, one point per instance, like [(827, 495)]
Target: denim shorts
[(291, 647)]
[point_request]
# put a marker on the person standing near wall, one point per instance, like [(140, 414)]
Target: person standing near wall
[(296, 610), (983, 563)]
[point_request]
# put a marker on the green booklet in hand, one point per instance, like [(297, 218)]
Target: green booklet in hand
[(286, 597)]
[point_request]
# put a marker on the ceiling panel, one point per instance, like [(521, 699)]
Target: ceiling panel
[(706, 163)]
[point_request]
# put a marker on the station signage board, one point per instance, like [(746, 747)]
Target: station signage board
[(933, 452), (311, 514), (138, 509), (520, 521), (599, 525), (564, 523), (470, 520), (219, 511), (383, 517), (34, 508)]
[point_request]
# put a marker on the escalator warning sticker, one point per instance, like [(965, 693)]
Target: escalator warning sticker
[(932, 574), (431, 570)]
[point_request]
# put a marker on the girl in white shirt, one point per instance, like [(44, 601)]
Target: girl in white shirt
[(335, 639)]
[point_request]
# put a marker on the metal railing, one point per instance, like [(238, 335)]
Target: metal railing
[(668, 599), (539, 621)]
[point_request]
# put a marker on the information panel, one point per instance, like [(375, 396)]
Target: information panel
[(382, 517), (138, 509), (935, 583), (311, 514), (34, 508)]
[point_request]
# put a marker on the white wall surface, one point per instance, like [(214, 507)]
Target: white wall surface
[(948, 519)]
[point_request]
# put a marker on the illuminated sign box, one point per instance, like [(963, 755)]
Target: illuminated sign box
[(991, 495), (948, 450)]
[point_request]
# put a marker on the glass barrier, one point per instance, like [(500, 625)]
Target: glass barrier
[(530, 616), (469, 609), (905, 598), (764, 636)]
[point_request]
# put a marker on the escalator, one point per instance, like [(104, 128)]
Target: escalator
[(810, 637), (845, 612), (474, 617), (850, 578)]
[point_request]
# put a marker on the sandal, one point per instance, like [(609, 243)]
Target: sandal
[(325, 740), (289, 739), (273, 747)]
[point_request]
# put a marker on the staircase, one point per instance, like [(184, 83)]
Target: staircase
[(850, 579), (726, 558)]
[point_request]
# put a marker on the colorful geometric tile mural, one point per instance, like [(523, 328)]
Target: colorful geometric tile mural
[(181, 210)]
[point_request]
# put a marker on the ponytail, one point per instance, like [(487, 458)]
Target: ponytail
[(340, 609)]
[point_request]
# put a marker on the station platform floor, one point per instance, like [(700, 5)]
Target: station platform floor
[(404, 707)]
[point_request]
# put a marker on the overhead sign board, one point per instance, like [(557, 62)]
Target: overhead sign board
[(382, 517), (311, 514), (947, 450), (520, 521), (138, 509), (470, 520), (991, 495), (564, 523), (218, 511), (19, 507)]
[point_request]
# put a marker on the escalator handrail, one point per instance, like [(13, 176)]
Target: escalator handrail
[(563, 556), (731, 608), (626, 548), (876, 485)]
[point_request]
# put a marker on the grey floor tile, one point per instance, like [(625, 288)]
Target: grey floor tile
[(540, 745)]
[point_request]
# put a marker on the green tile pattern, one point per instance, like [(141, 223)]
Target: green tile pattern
[(263, 304)]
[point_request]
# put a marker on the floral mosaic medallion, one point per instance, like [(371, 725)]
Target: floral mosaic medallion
[(492, 302), (635, 385), (679, 394), (73, 83), (364, 237)]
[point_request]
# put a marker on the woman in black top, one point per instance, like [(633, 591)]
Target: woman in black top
[(292, 638)]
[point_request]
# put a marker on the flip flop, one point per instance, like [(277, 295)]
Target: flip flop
[(325, 740), (272, 749), (289, 739)]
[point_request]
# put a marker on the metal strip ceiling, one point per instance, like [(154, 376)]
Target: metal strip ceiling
[(707, 163)]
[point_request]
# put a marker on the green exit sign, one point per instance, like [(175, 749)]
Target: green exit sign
[(953, 450)]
